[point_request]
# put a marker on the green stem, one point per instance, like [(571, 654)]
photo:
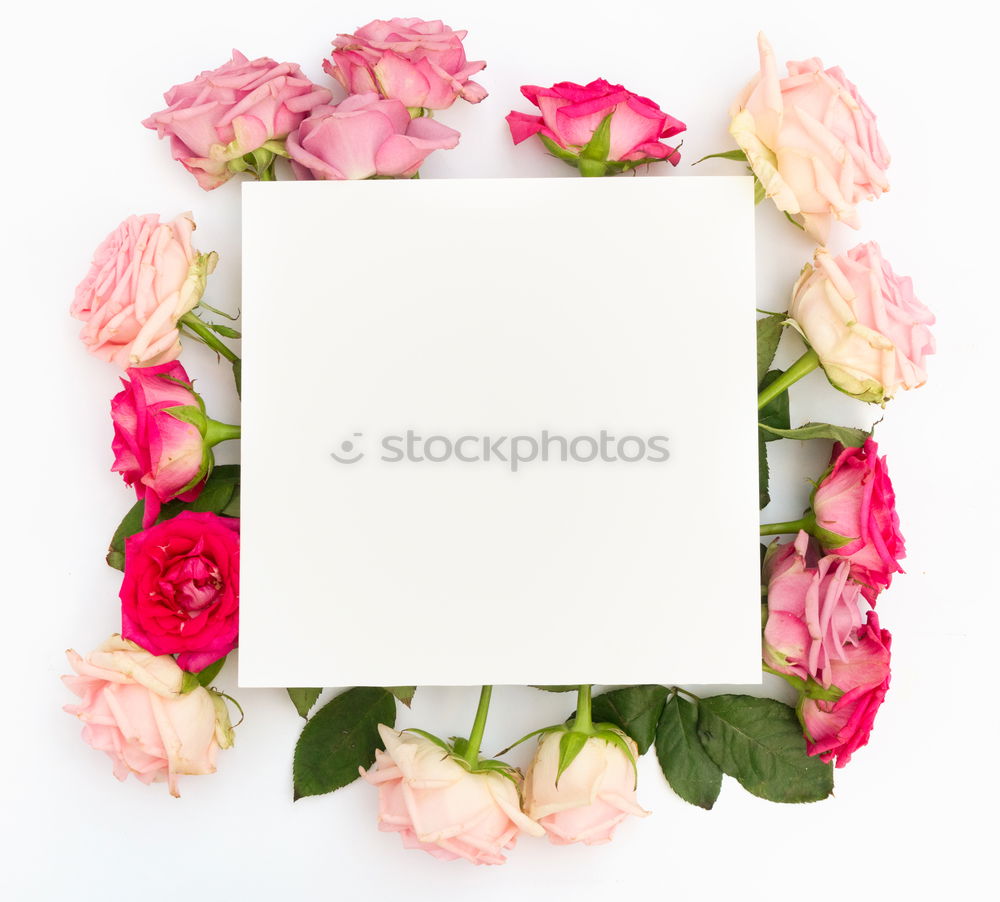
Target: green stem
[(191, 320), (802, 367), (583, 722), (267, 174), (786, 528), (471, 755), (220, 432)]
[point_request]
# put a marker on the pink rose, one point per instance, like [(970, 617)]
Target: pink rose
[(836, 729), (365, 136), (571, 119), (163, 440), (134, 709), (593, 796), (812, 610), (144, 277), (181, 591), (870, 331), (421, 64), (811, 140), (442, 808), (231, 111), (855, 499)]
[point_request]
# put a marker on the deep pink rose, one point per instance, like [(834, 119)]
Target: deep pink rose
[(838, 729), (162, 456), (855, 499), (144, 277), (571, 113), (181, 591), (133, 709), (364, 136), (871, 332), (812, 609), (421, 64), (233, 110)]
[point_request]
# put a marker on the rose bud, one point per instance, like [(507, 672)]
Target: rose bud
[(599, 128), (421, 64), (854, 499), (181, 590), (836, 729), (812, 609), (441, 807), (144, 277), (163, 440), (365, 136), (811, 141), (133, 708), (226, 113), (868, 329)]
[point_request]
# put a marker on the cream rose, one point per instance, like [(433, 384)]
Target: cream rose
[(811, 140)]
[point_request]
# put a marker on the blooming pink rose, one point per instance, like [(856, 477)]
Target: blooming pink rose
[(133, 708), (870, 331), (855, 499), (439, 806), (812, 609), (163, 456), (231, 111), (811, 140), (364, 136), (838, 729), (421, 64), (144, 277), (593, 796), (571, 114), (181, 591)]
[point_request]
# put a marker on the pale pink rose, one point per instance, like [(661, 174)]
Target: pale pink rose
[(871, 333), (439, 806), (855, 499), (421, 64), (571, 114), (594, 794), (811, 140), (231, 111), (364, 136), (133, 709), (812, 610), (836, 729), (144, 277)]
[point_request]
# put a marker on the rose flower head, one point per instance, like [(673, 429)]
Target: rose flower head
[(134, 708), (144, 277)]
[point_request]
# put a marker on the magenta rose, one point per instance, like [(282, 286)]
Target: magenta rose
[(571, 126), (421, 64), (837, 729), (855, 500), (812, 610), (163, 440), (181, 591), (231, 111), (365, 136)]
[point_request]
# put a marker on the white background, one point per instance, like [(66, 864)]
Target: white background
[(912, 812)]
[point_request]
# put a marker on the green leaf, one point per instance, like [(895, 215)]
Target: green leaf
[(224, 331), (214, 498), (689, 770), (759, 741), (763, 473), (403, 693), (846, 435), (774, 414), (559, 152), (238, 376), (769, 330), (556, 688), (737, 155), (303, 699), (189, 682), (599, 145), (233, 508), (131, 524), (339, 738), (209, 673), (635, 709), (793, 221), (571, 744)]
